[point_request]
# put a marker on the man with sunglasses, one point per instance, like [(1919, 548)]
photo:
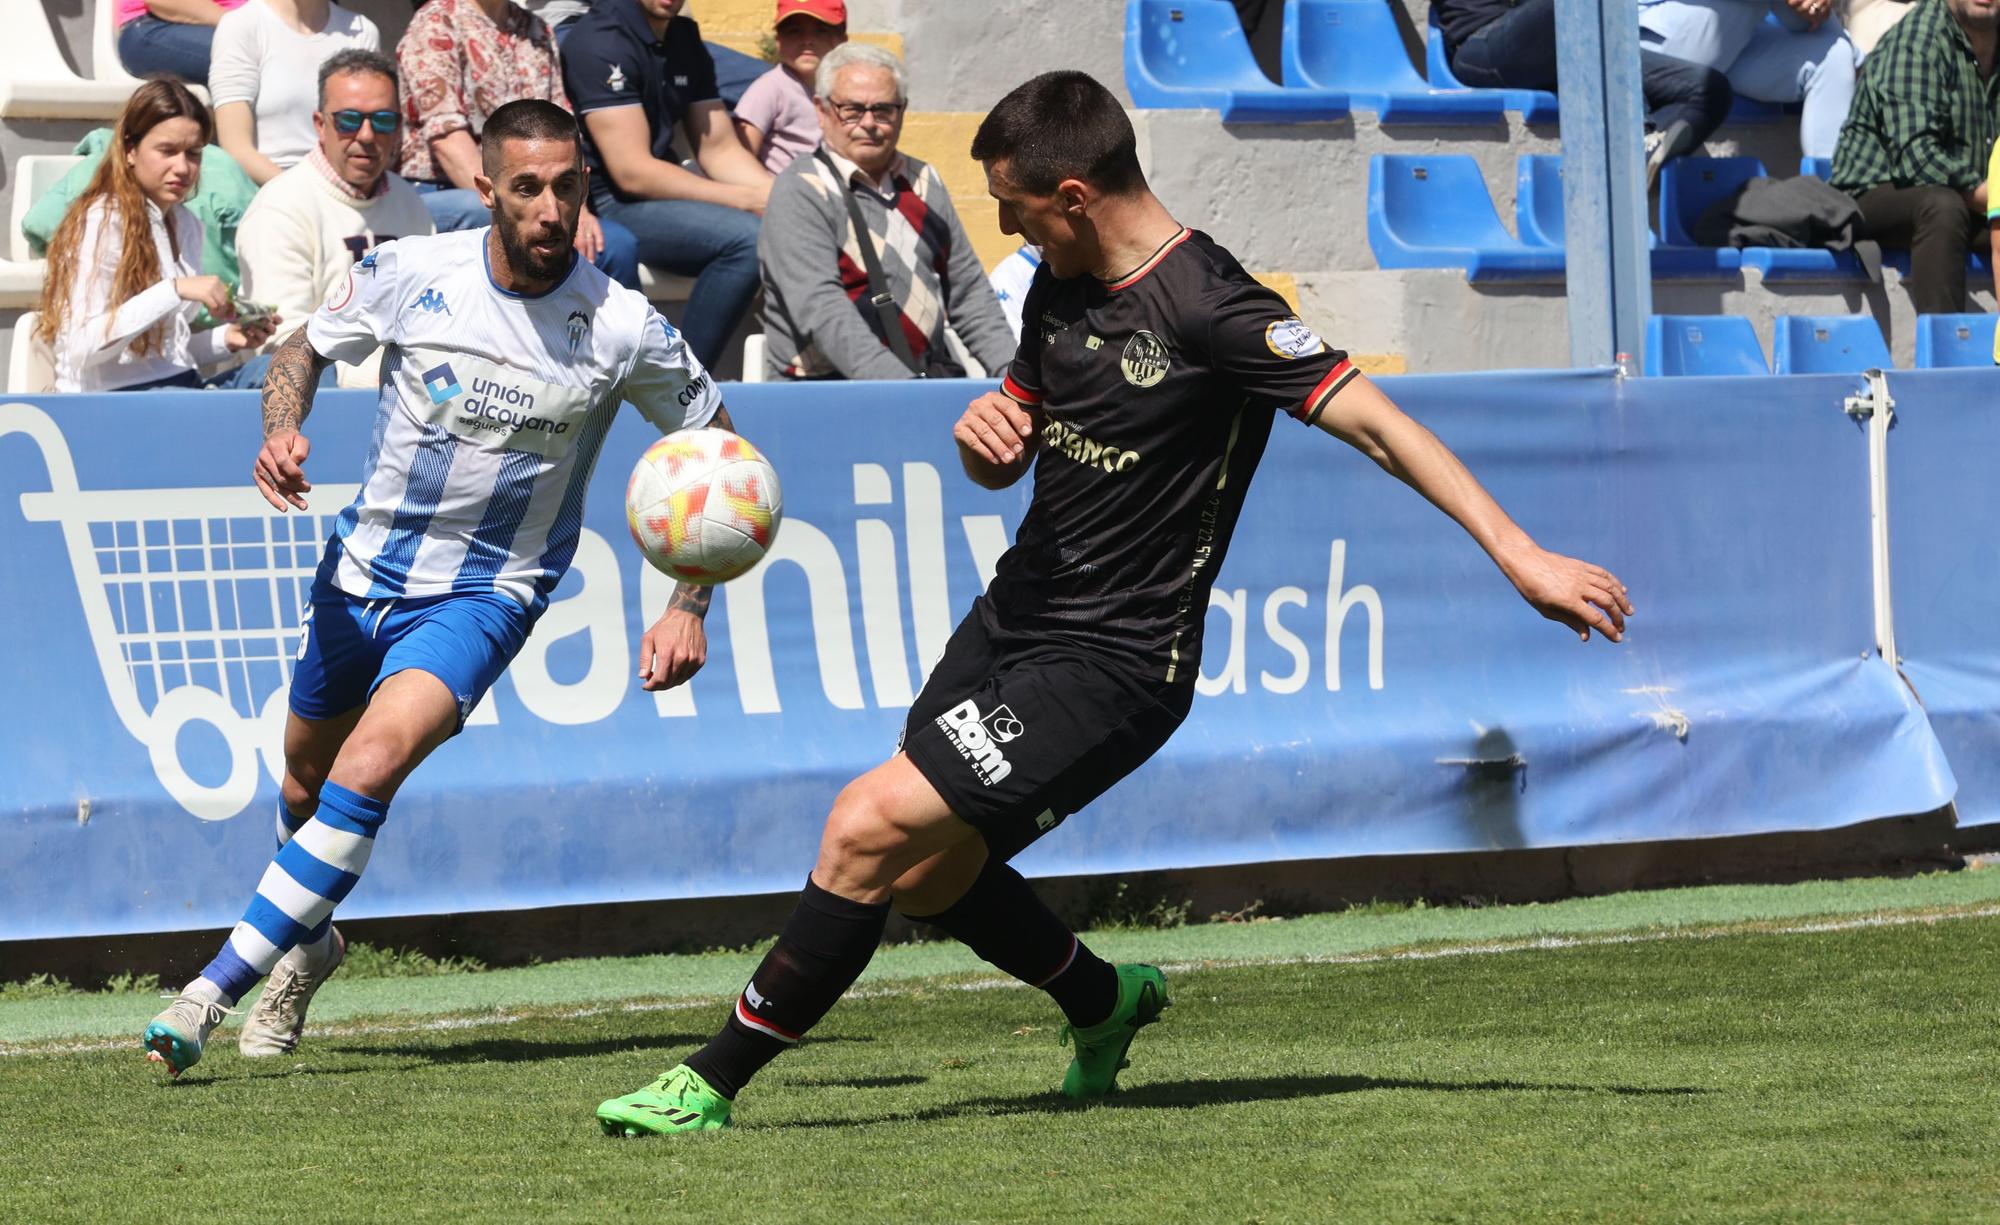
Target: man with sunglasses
[(866, 267), (308, 226)]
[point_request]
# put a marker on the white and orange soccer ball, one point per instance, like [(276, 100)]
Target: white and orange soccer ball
[(703, 505)]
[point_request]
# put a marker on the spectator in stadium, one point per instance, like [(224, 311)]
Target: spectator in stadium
[(777, 117), (1913, 153), (122, 284), (463, 60), (262, 73), (308, 226), (856, 219), (1501, 44), (221, 195), (170, 36), (1010, 280), (1802, 56), (635, 70)]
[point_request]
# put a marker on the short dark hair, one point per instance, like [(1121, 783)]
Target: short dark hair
[(1062, 125), (525, 119), (354, 59)]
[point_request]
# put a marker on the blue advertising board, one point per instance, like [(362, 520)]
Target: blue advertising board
[(1371, 684)]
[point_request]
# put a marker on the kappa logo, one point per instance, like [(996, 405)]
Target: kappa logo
[(756, 998), (441, 383), (978, 737), (616, 81), (1145, 360), (577, 323), (430, 300)]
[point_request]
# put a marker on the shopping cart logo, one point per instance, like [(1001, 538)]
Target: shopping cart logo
[(192, 599), (441, 383)]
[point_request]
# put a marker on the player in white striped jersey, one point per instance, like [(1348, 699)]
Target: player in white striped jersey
[(505, 360)]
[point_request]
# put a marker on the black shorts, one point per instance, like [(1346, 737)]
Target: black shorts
[(1017, 739)]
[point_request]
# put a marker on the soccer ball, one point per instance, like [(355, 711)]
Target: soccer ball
[(703, 505)]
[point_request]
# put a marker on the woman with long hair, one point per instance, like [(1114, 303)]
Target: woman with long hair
[(124, 275)]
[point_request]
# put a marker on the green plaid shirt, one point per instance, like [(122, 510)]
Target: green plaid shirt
[(1922, 116)]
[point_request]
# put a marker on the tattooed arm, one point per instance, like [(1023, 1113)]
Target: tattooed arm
[(288, 396)]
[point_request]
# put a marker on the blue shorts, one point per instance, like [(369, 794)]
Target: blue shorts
[(350, 645)]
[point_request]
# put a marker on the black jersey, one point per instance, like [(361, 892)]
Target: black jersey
[(1156, 396)]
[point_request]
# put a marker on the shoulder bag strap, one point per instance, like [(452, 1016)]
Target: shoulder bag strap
[(879, 297)]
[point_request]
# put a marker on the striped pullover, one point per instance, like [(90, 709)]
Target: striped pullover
[(818, 322)]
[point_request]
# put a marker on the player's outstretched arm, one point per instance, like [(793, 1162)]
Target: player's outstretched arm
[(1578, 594), (676, 646), (289, 387), (996, 439)]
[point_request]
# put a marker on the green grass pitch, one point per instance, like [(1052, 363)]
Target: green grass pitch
[(1698, 1055)]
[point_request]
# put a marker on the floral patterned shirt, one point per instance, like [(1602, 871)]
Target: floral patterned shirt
[(459, 66)]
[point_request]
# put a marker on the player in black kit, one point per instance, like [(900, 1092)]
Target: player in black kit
[(1150, 370)]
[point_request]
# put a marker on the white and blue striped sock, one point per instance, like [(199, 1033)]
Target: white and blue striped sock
[(290, 823), (313, 871)]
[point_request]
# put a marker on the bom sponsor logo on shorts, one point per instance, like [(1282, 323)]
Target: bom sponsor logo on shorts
[(978, 737)]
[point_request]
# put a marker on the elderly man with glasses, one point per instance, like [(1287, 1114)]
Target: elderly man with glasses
[(309, 225), (867, 270)]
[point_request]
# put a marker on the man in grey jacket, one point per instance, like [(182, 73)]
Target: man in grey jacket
[(820, 317)]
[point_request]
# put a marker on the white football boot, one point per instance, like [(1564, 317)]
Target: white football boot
[(274, 1025)]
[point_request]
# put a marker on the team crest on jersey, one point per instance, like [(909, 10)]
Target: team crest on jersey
[(616, 81), (577, 323), (1291, 338), (1145, 360)]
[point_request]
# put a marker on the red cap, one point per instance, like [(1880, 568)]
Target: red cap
[(832, 12)]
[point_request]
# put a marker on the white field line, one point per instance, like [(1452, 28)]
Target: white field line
[(1531, 945)]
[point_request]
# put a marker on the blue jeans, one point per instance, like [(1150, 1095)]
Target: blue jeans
[(1517, 50), (715, 245), (458, 208), (1770, 61), (147, 45)]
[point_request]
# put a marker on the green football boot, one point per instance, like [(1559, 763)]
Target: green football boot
[(1100, 1048), (679, 1101)]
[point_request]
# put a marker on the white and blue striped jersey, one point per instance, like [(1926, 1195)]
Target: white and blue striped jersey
[(491, 410)]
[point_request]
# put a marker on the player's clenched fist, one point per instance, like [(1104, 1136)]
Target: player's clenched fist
[(995, 428), (279, 470)]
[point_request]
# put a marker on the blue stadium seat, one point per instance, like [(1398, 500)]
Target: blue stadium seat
[(1538, 200), (1689, 185), (1954, 340), (1538, 218), (1818, 167), (1191, 54), (1535, 105), (1435, 212), (1703, 344), (1828, 344), (1355, 47)]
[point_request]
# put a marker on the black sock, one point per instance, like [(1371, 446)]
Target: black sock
[(1002, 920), (825, 945)]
